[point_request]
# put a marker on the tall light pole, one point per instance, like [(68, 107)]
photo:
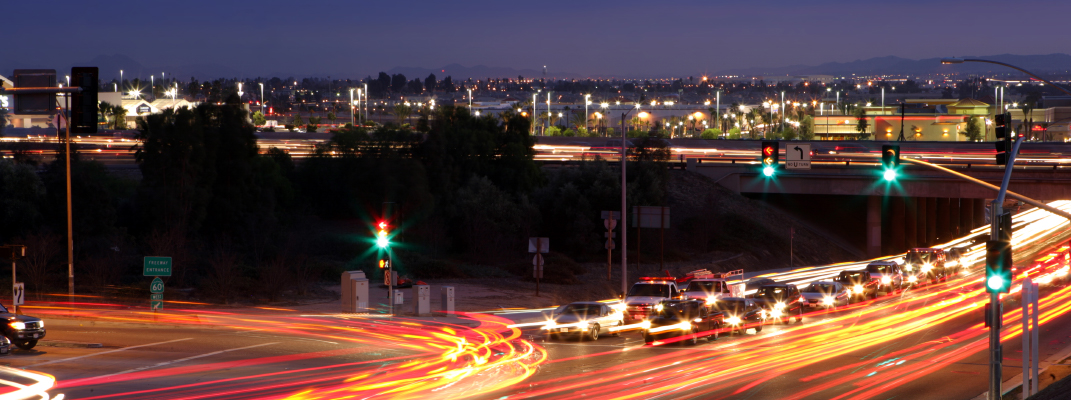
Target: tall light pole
[(470, 101), (624, 203), (353, 118), (240, 92), (548, 111), (534, 95), (717, 108), (587, 100), (366, 93), (121, 78), (262, 98), (604, 105)]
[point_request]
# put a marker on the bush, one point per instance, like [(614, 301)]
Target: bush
[(711, 133), (734, 133), (569, 133), (553, 131)]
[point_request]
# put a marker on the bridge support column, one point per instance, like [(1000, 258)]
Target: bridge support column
[(897, 215), (953, 219), (921, 221), (911, 217), (873, 226), (943, 231), (966, 216), (931, 221)]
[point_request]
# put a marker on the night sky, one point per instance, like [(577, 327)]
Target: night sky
[(596, 38)]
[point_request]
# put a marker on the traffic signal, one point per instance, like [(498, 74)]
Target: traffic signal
[(769, 158), (384, 263), (84, 105), (382, 240), (998, 266), (1004, 137), (890, 160)]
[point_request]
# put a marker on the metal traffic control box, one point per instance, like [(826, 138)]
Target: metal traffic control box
[(354, 291), (422, 305), (398, 299), (447, 293)]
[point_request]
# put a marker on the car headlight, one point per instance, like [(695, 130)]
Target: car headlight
[(907, 267), (858, 288), (926, 267), (18, 325), (886, 280), (827, 301), (711, 299), (779, 306), (550, 325), (733, 320), (912, 278), (40, 324), (646, 324), (776, 313), (658, 307)]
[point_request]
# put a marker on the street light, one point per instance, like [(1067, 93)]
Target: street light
[(953, 60), (587, 101), (262, 98)]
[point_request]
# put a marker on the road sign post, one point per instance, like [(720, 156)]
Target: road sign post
[(156, 294), (609, 221), (798, 157), (19, 291), (539, 246)]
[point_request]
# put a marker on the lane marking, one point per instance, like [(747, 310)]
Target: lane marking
[(182, 359), (104, 352)]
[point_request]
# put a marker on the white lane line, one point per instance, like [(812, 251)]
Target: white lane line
[(182, 359), (105, 352)]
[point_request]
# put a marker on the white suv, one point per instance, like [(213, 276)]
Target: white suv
[(644, 296)]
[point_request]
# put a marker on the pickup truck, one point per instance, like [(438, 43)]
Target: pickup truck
[(688, 318)]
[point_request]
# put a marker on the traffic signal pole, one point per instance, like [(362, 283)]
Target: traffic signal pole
[(995, 349)]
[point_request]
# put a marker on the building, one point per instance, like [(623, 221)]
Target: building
[(943, 120)]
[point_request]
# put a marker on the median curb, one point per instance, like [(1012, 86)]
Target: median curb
[(1016, 383), (63, 343)]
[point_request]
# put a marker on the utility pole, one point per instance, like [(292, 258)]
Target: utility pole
[(624, 204), (995, 349)]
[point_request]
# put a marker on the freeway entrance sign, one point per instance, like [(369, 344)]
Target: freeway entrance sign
[(157, 266), (798, 156)]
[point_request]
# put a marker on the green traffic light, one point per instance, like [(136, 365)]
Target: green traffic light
[(768, 171), (890, 174), (995, 282)]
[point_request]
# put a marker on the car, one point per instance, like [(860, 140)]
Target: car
[(847, 148), (890, 277), (781, 301), (756, 283), (957, 259), (584, 319), (707, 289), (688, 318), (859, 282), (644, 295), (739, 313), (22, 330), (827, 294), (926, 263)]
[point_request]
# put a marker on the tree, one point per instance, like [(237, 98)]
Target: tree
[(402, 113), (1029, 103), (415, 87), (21, 194), (429, 83), (259, 120), (397, 82), (974, 129), (297, 120), (862, 123), (119, 117), (807, 128), (332, 117)]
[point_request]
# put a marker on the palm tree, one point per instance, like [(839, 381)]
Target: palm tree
[(1029, 103), (576, 120), (402, 112), (119, 117)]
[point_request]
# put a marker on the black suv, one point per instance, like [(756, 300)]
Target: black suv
[(24, 331), (689, 318), (780, 301)]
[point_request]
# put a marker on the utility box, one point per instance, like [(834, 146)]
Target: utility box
[(422, 305), (354, 292), (447, 293), (398, 297)]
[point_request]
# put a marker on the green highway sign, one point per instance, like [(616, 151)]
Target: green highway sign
[(156, 305), (157, 286), (157, 266), (156, 297)]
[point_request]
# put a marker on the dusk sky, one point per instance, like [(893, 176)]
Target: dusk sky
[(625, 37)]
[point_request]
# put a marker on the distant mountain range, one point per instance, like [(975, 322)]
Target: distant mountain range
[(1043, 64)]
